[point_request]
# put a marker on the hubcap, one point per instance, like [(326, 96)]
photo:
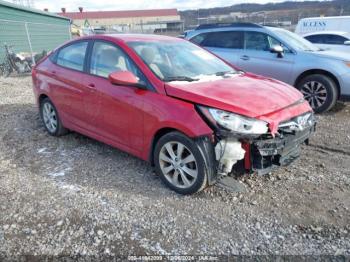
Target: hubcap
[(315, 93), (178, 164), (50, 118)]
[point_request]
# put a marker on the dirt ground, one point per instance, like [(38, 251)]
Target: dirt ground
[(75, 196)]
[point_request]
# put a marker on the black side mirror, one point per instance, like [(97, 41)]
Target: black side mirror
[(277, 49)]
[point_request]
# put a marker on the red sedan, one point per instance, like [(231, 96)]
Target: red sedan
[(194, 116)]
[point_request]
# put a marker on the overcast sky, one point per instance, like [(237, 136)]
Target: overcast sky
[(89, 5)]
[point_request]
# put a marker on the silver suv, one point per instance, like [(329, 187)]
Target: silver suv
[(322, 76)]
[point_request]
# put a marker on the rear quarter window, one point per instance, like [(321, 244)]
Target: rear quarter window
[(316, 39), (329, 39), (72, 56)]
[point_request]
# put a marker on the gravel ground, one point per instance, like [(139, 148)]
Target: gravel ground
[(75, 196)]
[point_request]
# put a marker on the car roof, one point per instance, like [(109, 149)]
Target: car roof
[(124, 38), (342, 33), (139, 37), (226, 27)]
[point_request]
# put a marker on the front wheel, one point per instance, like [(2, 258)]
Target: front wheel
[(180, 164), (320, 91)]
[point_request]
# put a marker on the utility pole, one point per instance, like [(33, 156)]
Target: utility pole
[(198, 17)]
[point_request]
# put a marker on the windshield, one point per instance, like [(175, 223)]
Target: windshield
[(294, 40), (179, 60)]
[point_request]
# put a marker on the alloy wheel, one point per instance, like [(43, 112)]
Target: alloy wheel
[(178, 164), (50, 118), (315, 93)]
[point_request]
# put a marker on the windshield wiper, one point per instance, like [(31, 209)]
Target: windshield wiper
[(179, 78), (225, 73)]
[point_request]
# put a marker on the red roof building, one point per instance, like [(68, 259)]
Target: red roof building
[(135, 21)]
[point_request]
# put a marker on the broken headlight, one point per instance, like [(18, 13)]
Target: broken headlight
[(233, 122)]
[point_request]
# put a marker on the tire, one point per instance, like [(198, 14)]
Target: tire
[(6, 70), (182, 166), (47, 107), (320, 91)]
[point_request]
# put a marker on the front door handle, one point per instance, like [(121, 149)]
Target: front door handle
[(245, 57), (91, 87)]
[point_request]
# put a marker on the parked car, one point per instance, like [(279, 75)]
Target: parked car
[(334, 40), (325, 23), (322, 76), (168, 101)]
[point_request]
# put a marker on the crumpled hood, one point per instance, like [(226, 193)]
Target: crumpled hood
[(343, 56), (246, 94)]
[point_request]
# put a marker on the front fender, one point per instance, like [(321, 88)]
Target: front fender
[(312, 63), (166, 113)]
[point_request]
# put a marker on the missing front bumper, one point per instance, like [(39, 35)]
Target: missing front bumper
[(269, 153), (256, 154)]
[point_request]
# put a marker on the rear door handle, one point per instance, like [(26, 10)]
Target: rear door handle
[(91, 85), (245, 57)]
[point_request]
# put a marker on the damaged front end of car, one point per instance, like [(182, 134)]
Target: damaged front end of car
[(268, 152), (250, 142)]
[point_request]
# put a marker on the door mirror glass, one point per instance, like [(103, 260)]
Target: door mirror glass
[(277, 49), (347, 42), (125, 78)]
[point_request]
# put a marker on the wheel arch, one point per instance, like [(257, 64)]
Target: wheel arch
[(160, 132), (320, 72), (205, 148), (41, 98)]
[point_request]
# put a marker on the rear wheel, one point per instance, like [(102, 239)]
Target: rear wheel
[(6, 70), (320, 91), (180, 164), (50, 118)]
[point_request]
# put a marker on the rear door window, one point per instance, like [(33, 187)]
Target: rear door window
[(224, 39), (73, 56)]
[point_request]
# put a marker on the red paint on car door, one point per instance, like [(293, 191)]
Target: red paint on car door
[(118, 115), (67, 91)]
